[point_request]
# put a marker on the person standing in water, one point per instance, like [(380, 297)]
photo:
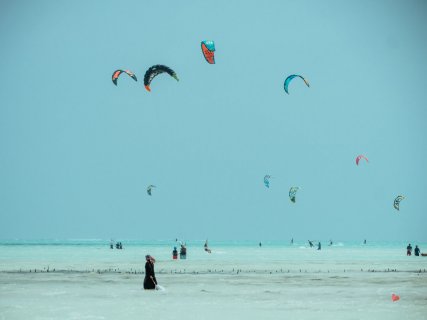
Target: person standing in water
[(319, 246), (311, 243), (174, 253), (292, 241), (183, 252), (409, 250), (417, 251), (150, 280)]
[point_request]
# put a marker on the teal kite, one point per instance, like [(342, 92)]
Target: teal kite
[(292, 193), (289, 79), (267, 180), (149, 188)]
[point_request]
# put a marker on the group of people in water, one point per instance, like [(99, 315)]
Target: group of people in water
[(409, 250), (150, 281), (118, 245), (182, 252)]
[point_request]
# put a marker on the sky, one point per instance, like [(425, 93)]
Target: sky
[(77, 153)]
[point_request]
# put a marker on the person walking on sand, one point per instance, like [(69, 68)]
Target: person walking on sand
[(150, 281), (417, 251), (409, 250)]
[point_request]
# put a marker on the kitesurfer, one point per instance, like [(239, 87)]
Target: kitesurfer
[(206, 247), (409, 250), (417, 251), (150, 281)]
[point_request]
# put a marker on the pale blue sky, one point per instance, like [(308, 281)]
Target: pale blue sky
[(77, 153)]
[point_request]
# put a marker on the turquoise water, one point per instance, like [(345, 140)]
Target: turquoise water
[(83, 255), (238, 280)]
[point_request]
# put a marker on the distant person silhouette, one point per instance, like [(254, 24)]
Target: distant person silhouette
[(409, 250), (417, 251)]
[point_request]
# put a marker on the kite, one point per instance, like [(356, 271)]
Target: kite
[(360, 157), (208, 49), (149, 189), (117, 73), (397, 201), (154, 71), (292, 193), (288, 80), (267, 180)]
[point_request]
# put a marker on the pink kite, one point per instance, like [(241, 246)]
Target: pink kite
[(360, 157)]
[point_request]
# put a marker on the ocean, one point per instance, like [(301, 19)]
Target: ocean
[(85, 279)]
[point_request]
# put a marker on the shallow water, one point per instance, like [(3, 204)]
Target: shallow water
[(239, 280)]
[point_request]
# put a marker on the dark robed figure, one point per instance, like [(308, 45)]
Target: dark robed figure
[(150, 281)]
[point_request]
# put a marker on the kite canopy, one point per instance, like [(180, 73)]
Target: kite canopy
[(267, 180), (208, 49), (292, 193), (154, 71), (397, 201), (361, 157), (117, 73), (149, 189), (289, 79)]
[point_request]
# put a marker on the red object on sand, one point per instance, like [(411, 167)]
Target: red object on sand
[(394, 297)]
